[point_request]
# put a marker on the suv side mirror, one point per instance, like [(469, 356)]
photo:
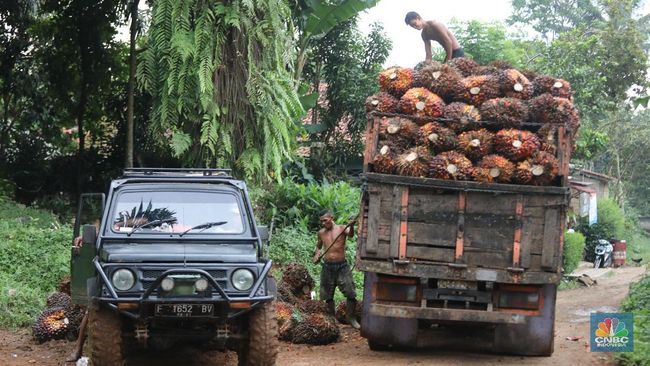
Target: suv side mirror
[(89, 234), (263, 232)]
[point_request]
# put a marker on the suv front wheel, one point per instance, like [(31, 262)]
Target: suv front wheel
[(261, 347), (105, 336)]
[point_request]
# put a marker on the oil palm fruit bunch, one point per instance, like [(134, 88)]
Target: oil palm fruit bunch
[(398, 132), (549, 109), (488, 70), (414, 162), (516, 145), (422, 103), (505, 112), (288, 318), (540, 170), (342, 311), (442, 79), (493, 169), (478, 89), (58, 300), (283, 312), (530, 75), (385, 161), (317, 329), (437, 138), (465, 65), (423, 73), (51, 324), (298, 279), (547, 137), (396, 80), (381, 102), (461, 116), (515, 85), (450, 165), (310, 306), (556, 87), (476, 144), (501, 65), (75, 315)]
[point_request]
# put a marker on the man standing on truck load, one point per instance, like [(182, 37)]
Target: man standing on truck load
[(335, 270), (435, 31)]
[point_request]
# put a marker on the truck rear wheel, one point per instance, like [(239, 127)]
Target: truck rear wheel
[(261, 347), (104, 336), (536, 337)]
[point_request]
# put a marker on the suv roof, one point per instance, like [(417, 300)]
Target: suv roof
[(161, 175)]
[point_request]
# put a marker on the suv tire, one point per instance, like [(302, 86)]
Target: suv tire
[(261, 347), (105, 336)]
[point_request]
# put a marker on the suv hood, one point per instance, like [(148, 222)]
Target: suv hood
[(174, 252)]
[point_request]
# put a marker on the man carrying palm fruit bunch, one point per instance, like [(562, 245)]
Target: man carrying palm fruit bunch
[(435, 31), (335, 270)]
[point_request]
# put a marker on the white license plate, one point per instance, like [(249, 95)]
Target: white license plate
[(184, 310)]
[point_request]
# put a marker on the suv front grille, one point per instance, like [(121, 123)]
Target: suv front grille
[(150, 275)]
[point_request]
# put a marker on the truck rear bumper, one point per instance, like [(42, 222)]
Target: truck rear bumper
[(469, 316)]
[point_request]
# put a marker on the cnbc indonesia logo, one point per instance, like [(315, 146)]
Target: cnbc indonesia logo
[(612, 332)]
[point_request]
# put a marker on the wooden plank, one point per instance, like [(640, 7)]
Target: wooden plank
[(488, 258), (383, 251), (430, 254), (403, 229), (419, 233), (551, 239), (493, 204), (372, 135), (460, 230), (463, 185), (373, 221), (516, 246), (396, 221)]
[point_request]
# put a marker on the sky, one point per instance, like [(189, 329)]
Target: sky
[(408, 48)]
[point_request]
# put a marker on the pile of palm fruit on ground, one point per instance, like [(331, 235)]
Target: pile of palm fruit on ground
[(60, 319), (302, 320), (463, 121)]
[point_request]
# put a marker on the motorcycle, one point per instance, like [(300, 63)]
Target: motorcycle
[(604, 251)]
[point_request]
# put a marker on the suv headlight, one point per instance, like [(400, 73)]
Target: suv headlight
[(243, 279), (123, 279)]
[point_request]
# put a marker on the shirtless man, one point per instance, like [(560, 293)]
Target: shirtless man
[(335, 270), (435, 31)]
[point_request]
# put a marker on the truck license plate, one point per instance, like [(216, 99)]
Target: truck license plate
[(184, 310)]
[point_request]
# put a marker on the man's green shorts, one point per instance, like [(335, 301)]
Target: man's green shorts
[(335, 275)]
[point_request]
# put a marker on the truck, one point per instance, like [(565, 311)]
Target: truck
[(460, 264), (172, 256)]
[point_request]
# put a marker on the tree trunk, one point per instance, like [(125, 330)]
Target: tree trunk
[(131, 86)]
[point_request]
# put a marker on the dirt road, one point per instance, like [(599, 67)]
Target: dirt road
[(572, 320)]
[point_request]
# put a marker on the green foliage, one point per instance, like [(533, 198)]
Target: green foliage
[(298, 204), (611, 225), (574, 246), (554, 17), (638, 302), (34, 256), (591, 144), (219, 75)]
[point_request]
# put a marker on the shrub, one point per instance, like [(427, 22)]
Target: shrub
[(574, 246), (34, 256), (638, 302), (298, 204), (611, 224)]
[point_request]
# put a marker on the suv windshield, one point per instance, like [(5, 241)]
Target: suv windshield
[(176, 212)]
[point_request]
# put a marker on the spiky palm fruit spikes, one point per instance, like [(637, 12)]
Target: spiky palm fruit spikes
[(501, 65), (58, 300), (385, 161), (515, 85), (516, 145), (414, 162), (437, 138), (465, 65), (297, 278), (505, 112), (381, 102), (342, 311), (423, 73), (530, 75), (488, 70), (75, 315), (549, 109), (461, 116), (493, 169), (396, 80), (283, 312), (442, 79), (288, 318), (51, 324), (317, 329), (548, 138), (556, 87), (478, 89), (476, 144), (399, 133), (422, 103), (450, 165), (540, 170), (312, 306)]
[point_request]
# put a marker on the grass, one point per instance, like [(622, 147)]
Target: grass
[(34, 256), (568, 284), (638, 302)]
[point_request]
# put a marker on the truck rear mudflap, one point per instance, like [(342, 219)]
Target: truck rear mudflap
[(460, 319)]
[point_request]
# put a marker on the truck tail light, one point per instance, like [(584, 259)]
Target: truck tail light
[(397, 289), (519, 297)]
